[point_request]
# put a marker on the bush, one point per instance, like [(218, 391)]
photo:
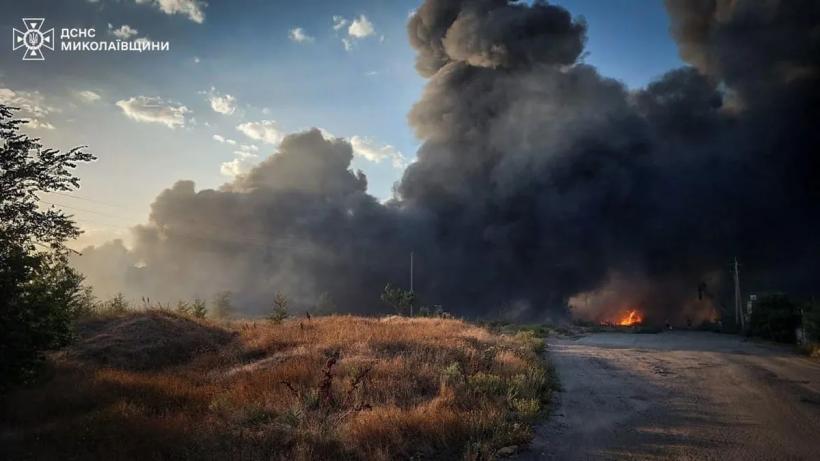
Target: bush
[(117, 305), (280, 309), (198, 308), (775, 317), (402, 301), (40, 297)]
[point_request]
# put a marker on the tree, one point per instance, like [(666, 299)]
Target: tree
[(223, 306), (280, 308), (39, 292), (402, 301), (775, 317)]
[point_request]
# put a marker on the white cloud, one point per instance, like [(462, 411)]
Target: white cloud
[(266, 131), (221, 103), (194, 9), (154, 110), (299, 35), (196, 60), (38, 124), (361, 27), (223, 140), (28, 101), (88, 96), (244, 161), (339, 22), (124, 31), (236, 167), (372, 151), (32, 105)]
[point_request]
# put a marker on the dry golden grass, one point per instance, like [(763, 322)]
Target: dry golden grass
[(337, 387)]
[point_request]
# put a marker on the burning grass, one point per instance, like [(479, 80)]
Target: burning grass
[(336, 387)]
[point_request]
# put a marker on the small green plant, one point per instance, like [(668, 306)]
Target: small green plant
[(199, 309), (280, 309), (402, 301), (526, 408), (452, 375), (183, 307), (486, 384), (530, 340), (117, 305)]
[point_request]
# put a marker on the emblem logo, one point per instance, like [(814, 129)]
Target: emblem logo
[(33, 39)]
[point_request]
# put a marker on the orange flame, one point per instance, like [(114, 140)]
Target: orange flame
[(633, 317)]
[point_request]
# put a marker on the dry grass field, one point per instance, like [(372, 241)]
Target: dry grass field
[(156, 385)]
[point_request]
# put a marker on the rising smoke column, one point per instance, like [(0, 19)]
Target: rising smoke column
[(299, 223), (539, 181)]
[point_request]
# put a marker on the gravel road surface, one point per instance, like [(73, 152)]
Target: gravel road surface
[(680, 395)]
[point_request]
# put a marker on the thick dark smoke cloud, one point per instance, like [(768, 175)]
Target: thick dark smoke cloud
[(493, 34), (539, 182)]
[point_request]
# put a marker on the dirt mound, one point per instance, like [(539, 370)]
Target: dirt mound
[(144, 341)]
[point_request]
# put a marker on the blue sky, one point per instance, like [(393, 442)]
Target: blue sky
[(239, 75)]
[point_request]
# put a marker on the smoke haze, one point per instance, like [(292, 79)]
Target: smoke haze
[(539, 183)]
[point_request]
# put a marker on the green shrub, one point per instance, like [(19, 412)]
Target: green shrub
[(280, 309), (115, 306), (486, 384), (530, 341), (40, 296), (452, 375), (526, 408), (199, 308), (402, 301)]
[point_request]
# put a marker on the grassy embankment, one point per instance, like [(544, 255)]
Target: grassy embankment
[(156, 385)]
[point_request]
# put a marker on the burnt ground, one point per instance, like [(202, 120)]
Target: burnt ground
[(680, 395)]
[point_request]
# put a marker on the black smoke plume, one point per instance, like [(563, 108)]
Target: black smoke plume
[(539, 184)]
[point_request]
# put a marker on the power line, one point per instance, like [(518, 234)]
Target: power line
[(70, 207), (91, 200)]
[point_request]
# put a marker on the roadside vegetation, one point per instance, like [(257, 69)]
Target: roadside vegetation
[(39, 292), (780, 318), (162, 383)]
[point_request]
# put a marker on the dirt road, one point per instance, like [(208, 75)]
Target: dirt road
[(680, 395)]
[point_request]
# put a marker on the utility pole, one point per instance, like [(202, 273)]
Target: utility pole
[(411, 281), (739, 318), (411, 271)]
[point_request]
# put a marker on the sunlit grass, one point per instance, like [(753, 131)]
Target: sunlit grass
[(394, 388)]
